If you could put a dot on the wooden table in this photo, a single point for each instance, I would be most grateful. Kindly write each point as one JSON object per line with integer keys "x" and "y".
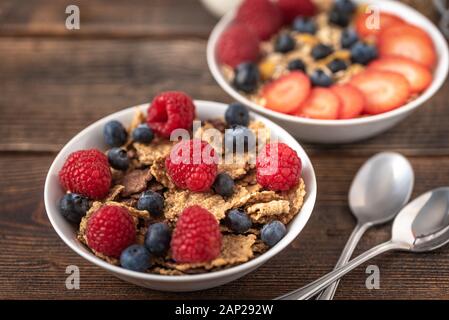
{"x": 54, "y": 82}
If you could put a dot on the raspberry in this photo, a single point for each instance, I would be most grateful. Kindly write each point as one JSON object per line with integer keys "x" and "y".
{"x": 169, "y": 111}
{"x": 197, "y": 236}
{"x": 278, "y": 167}
{"x": 86, "y": 172}
{"x": 110, "y": 230}
{"x": 261, "y": 16}
{"x": 293, "y": 8}
{"x": 192, "y": 165}
{"x": 237, "y": 44}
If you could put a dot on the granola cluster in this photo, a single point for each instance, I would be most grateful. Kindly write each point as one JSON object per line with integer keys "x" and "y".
{"x": 146, "y": 171}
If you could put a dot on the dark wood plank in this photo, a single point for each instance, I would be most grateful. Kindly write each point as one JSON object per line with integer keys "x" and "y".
{"x": 100, "y": 18}
{"x": 34, "y": 258}
{"x": 61, "y": 86}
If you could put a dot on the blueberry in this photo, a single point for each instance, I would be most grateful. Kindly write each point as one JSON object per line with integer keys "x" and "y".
{"x": 73, "y": 207}
{"x": 337, "y": 65}
{"x": 321, "y": 51}
{"x": 321, "y": 79}
{"x": 246, "y": 77}
{"x": 284, "y": 43}
{"x": 118, "y": 158}
{"x": 136, "y": 258}
{"x": 237, "y": 114}
{"x": 224, "y": 185}
{"x": 363, "y": 53}
{"x": 238, "y": 221}
{"x": 346, "y": 6}
{"x": 339, "y": 18}
{"x": 239, "y": 139}
{"x": 273, "y": 232}
{"x": 143, "y": 134}
{"x": 304, "y": 25}
{"x": 157, "y": 238}
{"x": 348, "y": 38}
{"x": 151, "y": 201}
{"x": 296, "y": 64}
{"x": 114, "y": 134}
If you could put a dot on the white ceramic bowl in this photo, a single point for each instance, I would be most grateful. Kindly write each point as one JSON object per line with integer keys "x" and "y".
{"x": 342, "y": 131}
{"x": 92, "y": 137}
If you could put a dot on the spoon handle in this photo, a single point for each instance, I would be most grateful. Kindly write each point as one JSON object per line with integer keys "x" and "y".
{"x": 346, "y": 254}
{"x": 313, "y": 288}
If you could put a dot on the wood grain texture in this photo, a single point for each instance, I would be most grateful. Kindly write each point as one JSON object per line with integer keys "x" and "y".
{"x": 62, "y": 86}
{"x": 34, "y": 258}
{"x": 55, "y": 82}
{"x": 106, "y": 19}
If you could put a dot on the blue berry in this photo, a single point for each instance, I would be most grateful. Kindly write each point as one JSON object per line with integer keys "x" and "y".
{"x": 321, "y": 51}
{"x": 238, "y": 221}
{"x": 304, "y": 25}
{"x": 157, "y": 238}
{"x": 237, "y": 114}
{"x": 363, "y": 53}
{"x": 73, "y": 207}
{"x": 337, "y": 65}
{"x": 115, "y": 134}
{"x": 273, "y": 232}
{"x": 348, "y": 38}
{"x": 246, "y": 77}
{"x": 118, "y": 158}
{"x": 239, "y": 139}
{"x": 284, "y": 43}
{"x": 321, "y": 79}
{"x": 224, "y": 185}
{"x": 151, "y": 201}
{"x": 296, "y": 64}
{"x": 136, "y": 258}
{"x": 339, "y": 18}
{"x": 346, "y": 6}
{"x": 143, "y": 134}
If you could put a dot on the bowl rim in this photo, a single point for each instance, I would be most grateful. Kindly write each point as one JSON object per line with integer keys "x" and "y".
{"x": 397, "y": 8}
{"x": 291, "y": 235}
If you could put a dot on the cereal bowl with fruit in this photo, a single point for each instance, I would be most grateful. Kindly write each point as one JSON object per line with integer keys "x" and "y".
{"x": 180, "y": 195}
{"x": 329, "y": 71}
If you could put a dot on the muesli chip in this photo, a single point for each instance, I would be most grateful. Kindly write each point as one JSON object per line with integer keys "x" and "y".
{"x": 268, "y": 211}
{"x": 135, "y": 181}
{"x": 147, "y": 154}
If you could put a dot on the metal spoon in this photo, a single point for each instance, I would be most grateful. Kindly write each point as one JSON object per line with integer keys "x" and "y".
{"x": 421, "y": 226}
{"x": 382, "y": 187}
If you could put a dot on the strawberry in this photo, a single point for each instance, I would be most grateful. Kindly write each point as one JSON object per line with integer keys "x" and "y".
{"x": 405, "y": 28}
{"x": 383, "y": 90}
{"x": 418, "y": 76}
{"x": 365, "y": 24}
{"x": 262, "y": 16}
{"x": 321, "y": 104}
{"x": 292, "y": 8}
{"x": 408, "y": 44}
{"x": 352, "y": 101}
{"x": 287, "y": 93}
{"x": 237, "y": 44}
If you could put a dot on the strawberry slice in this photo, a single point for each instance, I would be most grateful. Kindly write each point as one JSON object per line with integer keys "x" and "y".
{"x": 405, "y": 28}
{"x": 321, "y": 104}
{"x": 287, "y": 93}
{"x": 352, "y": 101}
{"x": 383, "y": 90}
{"x": 418, "y": 76}
{"x": 365, "y": 24}
{"x": 412, "y": 45}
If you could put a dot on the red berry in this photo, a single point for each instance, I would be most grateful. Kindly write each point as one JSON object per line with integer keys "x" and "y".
{"x": 261, "y": 16}
{"x": 197, "y": 236}
{"x": 110, "y": 230}
{"x": 192, "y": 165}
{"x": 237, "y": 44}
{"x": 86, "y": 172}
{"x": 278, "y": 167}
{"x": 169, "y": 111}
{"x": 292, "y": 8}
